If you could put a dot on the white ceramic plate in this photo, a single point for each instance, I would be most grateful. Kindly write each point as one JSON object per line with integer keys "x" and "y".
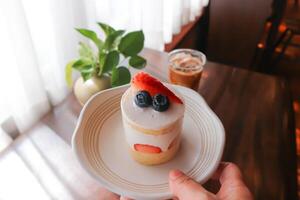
{"x": 100, "y": 146}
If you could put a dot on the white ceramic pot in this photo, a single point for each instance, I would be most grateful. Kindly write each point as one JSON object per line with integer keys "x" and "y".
{"x": 84, "y": 90}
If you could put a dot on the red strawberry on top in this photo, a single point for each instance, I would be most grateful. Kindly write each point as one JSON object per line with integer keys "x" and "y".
{"x": 143, "y": 81}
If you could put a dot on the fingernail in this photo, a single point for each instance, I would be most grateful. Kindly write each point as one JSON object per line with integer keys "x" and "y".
{"x": 174, "y": 174}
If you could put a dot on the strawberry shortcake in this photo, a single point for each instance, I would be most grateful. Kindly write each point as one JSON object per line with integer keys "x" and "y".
{"x": 152, "y": 118}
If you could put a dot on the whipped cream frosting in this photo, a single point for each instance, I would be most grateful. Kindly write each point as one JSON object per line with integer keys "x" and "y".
{"x": 148, "y": 118}
{"x": 162, "y": 141}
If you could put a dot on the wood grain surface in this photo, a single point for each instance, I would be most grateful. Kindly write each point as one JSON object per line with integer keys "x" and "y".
{"x": 256, "y": 112}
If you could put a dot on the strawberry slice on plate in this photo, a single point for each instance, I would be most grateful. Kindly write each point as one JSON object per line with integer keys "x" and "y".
{"x": 143, "y": 81}
{"x": 144, "y": 148}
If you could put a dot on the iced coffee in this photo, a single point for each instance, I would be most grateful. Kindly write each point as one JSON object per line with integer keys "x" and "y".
{"x": 185, "y": 67}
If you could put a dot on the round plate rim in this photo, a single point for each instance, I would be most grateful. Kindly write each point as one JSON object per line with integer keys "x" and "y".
{"x": 164, "y": 195}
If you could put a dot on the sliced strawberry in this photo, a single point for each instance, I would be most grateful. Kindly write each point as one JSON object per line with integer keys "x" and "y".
{"x": 144, "y": 148}
{"x": 143, "y": 81}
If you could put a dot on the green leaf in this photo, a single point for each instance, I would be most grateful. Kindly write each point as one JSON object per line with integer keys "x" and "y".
{"x": 120, "y": 76}
{"x": 106, "y": 28}
{"x": 113, "y": 40}
{"x": 68, "y": 73}
{"x": 86, "y": 52}
{"x": 87, "y": 69}
{"x": 91, "y": 35}
{"x": 85, "y": 75}
{"x": 137, "y": 62}
{"x": 81, "y": 63}
{"x": 111, "y": 61}
{"x": 132, "y": 43}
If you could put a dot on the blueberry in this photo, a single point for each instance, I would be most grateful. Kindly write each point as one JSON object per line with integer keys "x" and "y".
{"x": 160, "y": 103}
{"x": 143, "y": 99}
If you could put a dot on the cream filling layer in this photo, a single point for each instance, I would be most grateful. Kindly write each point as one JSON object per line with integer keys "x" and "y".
{"x": 162, "y": 141}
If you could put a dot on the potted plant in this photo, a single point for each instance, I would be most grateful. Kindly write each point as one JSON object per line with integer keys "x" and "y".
{"x": 104, "y": 67}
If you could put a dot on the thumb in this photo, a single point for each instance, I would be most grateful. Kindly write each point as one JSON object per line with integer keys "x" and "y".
{"x": 125, "y": 198}
{"x": 183, "y": 187}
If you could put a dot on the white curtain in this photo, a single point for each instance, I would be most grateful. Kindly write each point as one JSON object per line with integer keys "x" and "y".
{"x": 159, "y": 19}
{"x": 37, "y": 39}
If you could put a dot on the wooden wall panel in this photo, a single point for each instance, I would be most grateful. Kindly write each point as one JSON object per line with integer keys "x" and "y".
{"x": 235, "y": 27}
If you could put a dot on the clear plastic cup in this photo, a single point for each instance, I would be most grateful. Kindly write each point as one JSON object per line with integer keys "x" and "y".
{"x": 186, "y": 67}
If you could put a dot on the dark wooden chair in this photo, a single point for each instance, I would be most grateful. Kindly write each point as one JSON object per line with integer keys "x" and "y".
{"x": 294, "y": 26}
{"x": 269, "y": 52}
{"x": 265, "y": 56}
{"x": 275, "y": 52}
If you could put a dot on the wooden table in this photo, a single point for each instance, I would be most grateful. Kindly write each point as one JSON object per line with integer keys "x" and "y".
{"x": 257, "y": 114}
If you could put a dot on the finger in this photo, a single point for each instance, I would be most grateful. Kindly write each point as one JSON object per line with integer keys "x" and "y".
{"x": 232, "y": 184}
{"x": 218, "y": 172}
{"x": 183, "y": 187}
{"x": 105, "y": 194}
{"x": 228, "y": 172}
{"x": 125, "y": 198}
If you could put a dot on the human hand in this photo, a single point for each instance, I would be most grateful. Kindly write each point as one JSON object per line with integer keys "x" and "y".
{"x": 107, "y": 195}
{"x": 185, "y": 188}
{"x": 229, "y": 176}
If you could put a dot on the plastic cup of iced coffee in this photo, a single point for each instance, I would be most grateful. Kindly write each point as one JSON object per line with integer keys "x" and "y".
{"x": 186, "y": 67}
